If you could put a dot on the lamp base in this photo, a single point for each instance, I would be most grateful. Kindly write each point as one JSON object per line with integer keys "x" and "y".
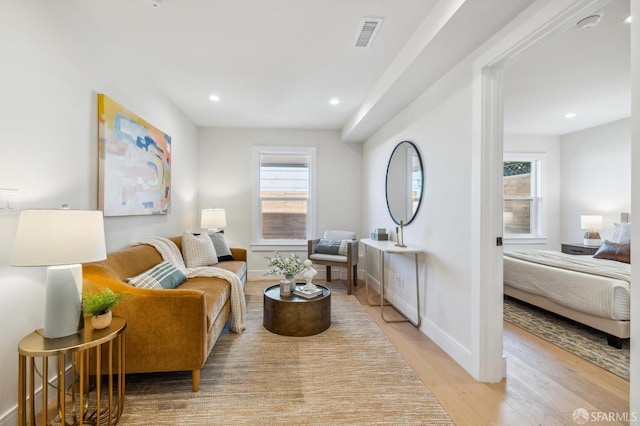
{"x": 63, "y": 301}
{"x": 592, "y": 242}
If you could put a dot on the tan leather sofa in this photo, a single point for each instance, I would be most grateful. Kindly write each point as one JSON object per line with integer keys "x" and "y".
{"x": 167, "y": 330}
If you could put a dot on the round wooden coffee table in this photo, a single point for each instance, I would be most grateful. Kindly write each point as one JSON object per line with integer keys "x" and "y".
{"x": 296, "y": 315}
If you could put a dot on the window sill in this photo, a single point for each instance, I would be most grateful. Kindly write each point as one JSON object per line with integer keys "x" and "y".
{"x": 297, "y": 247}
{"x": 524, "y": 240}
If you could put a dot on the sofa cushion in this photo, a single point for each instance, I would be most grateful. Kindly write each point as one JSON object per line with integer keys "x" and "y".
{"x": 222, "y": 248}
{"x": 217, "y": 293}
{"x": 198, "y": 250}
{"x": 237, "y": 267}
{"x": 163, "y": 275}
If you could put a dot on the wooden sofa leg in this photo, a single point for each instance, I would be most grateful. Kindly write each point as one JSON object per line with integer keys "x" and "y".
{"x": 328, "y": 273}
{"x": 195, "y": 379}
{"x": 348, "y": 280}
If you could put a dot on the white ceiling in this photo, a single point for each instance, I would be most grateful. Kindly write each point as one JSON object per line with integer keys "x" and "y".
{"x": 584, "y": 71}
{"x": 277, "y": 63}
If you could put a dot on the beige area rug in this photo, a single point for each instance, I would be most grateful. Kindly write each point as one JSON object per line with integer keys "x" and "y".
{"x": 571, "y": 336}
{"x": 349, "y": 374}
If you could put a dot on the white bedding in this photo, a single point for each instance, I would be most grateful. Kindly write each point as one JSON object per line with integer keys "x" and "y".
{"x": 604, "y": 296}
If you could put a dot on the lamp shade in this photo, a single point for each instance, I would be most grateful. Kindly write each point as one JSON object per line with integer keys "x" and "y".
{"x": 59, "y": 237}
{"x": 590, "y": 222}
{"x": 213, "y": 219}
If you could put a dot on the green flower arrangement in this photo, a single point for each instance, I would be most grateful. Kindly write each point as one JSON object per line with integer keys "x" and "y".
{"x": 288, "y": 266}
{"x": 100, "y": 303}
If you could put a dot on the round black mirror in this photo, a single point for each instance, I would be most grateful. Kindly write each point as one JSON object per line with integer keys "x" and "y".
{"x": 405, "y": 178}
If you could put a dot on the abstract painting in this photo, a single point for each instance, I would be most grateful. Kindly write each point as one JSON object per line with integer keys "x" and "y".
{"x": 134, "y": 164}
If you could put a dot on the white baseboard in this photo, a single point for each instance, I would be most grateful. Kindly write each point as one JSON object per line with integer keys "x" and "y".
{"x": 10, "y": 418}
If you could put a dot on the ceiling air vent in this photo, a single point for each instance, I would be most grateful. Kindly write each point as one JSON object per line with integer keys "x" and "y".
{"x": 367, "y": 31}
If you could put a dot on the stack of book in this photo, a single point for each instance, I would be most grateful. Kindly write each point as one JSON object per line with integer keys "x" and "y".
{"x": 300, "y": 291}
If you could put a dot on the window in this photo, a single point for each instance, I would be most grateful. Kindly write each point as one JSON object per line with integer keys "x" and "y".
{"x": 284, "y": 201}
{"x": 522, "y": 193}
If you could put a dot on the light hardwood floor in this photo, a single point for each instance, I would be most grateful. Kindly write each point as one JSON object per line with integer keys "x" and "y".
{"x": 544, "y": 383}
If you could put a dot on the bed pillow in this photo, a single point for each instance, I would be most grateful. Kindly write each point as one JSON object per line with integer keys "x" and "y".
{"x": 198, "y": 250}
{"x": 622, "y": 233}
{"x": 221, "y": 246}
{"x": 614, "y": 251}
{"x": 163, "y": 275}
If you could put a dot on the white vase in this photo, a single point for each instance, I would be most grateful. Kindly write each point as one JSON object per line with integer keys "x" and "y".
{"x": 101, "y": 321}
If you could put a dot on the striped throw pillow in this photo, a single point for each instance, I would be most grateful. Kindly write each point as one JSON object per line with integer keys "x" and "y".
{"x": 335, "y": 247}
{"x": 163, "y": 275}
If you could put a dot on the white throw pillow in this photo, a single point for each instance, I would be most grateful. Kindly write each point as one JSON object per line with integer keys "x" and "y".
{"x": 622, "y": 233}
{"x": 198, "y": 250}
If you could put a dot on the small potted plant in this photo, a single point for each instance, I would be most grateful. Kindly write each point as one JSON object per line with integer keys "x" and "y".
{"x": 99, "y": 305}
{"x": 287, "y": 266}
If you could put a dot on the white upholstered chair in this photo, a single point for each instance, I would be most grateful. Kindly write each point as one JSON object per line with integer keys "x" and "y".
{"x": 339, "y": 249}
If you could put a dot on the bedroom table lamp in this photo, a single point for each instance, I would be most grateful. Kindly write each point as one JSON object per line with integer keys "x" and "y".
{"x": 61, "y": 239}
{"x": 591, "y": 224}
{"x": 213, "y": 219}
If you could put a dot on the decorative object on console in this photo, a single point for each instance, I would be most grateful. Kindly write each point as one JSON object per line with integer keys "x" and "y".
{"x": 134, "y": 163}
{"x": 99, "y": 305}
{"x": 60, "y": 239}
{"x": 380, "y": 234}
{"x": 591, "y": 224}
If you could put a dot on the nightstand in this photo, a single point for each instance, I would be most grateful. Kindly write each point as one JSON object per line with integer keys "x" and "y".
{"x": 579, "y": 249}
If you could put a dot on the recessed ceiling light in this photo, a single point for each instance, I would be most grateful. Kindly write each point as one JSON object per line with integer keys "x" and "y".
{"x": 334, "y": 101}
{"x": 570, "y": 115}
{"x": 214, "y": 98}
{"x": 627, "y": 20}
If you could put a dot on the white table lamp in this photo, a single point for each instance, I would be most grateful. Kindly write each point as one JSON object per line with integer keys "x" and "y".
{"x": 214, "y": 219}
{"x": 590, "y": 224}
{"x": 60, "y": 239}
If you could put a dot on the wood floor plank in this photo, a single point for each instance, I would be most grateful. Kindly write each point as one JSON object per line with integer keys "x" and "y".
{"x": 544, "y": 383}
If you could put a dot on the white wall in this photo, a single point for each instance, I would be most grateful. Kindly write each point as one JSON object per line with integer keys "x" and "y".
{"x": 439, "y": 123}
{"x": 53, "y": 65}
{"x": 550, "y": 146}
{"x": 225, "y": 180}
{"x": 596, "y": 177}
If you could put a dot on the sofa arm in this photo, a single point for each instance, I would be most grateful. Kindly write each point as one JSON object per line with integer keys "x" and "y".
{"x": 166, "y": 329}
{"x": 239, "y": 253}
{"x": 311, "y": 246}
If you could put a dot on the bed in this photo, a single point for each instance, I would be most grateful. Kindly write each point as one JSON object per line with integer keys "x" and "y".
{"x": 590, "y": 290}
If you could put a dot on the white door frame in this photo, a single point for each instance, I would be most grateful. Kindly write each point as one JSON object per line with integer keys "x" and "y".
{"x": 549, "y": 19}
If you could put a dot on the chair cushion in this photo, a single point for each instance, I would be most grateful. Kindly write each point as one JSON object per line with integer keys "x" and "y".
{"x": 339, "y": 235}
{"x": 328, "y": 257}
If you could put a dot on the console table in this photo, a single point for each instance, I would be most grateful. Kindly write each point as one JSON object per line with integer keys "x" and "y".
{"x": 79, "y": 346}
{"x": 389, "y": 247}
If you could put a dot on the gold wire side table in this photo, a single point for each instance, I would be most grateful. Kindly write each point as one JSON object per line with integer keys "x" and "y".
{"x": 87, "y": 399}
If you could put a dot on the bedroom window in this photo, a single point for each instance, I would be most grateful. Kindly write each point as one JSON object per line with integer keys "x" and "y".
{"x": 522, "y": 193}
{"x": 284, "y": 199}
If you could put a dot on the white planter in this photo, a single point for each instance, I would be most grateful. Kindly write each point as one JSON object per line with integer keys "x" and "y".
{"x": 101, "y": 321}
